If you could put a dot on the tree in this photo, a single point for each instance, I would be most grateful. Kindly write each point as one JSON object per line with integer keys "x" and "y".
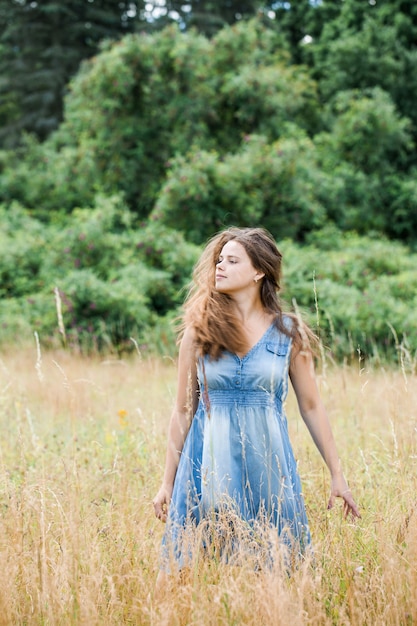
{"x": 148, "y": 98}
{"x": 294, "y": 21}
{"x": 208, "y": 17}
{"x": 364, "y": 154}
{"x": 368, "y": 45}
{"x": 270, "y": 184}
{"x": 42, "y": 45}
{"x": 173, "y": 119}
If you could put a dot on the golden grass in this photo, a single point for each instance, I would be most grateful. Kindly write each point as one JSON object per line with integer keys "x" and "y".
{"x": 81, "y": 456}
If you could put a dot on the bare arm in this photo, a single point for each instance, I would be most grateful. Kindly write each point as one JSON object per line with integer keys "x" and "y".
{"x": 184, "y": 409}
{"x": 315, "y": 417}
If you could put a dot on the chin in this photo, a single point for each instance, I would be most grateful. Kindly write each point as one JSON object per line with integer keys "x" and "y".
{"x": 220, "y": 288}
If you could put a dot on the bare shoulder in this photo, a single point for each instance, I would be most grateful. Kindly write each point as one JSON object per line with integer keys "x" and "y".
{"x": 301, "y": 360}
{"x": 188, "y": 337}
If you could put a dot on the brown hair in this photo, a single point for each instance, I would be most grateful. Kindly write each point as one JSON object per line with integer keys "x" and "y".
{"x": 212, "y": 314}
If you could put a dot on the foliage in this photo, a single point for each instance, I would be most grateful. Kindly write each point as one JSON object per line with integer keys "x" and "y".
{"x": 141, "y": 115}
{"x": 21, "y": 240}
{"x": 144, "y": 100}
{"x": 402, "y": 201}
{"x": 118, "y": 280}
{"x": 205, "y": 15}
{"x": 43, "y": 44}
{"x": 264, "y": 183}
{"x": 48, "y": 181}
{"x": 367, "y": 130}
{"x": 360, "y": 293}
{"x": 359, "y": 45}
{"x": 364, "y": 150}
{"x": 169, "y": 136}
{"x": 295, "y": 21}
{"x": 114, "y": 281}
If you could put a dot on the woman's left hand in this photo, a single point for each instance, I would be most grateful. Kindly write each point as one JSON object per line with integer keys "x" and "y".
{"x": 340, "y": 489}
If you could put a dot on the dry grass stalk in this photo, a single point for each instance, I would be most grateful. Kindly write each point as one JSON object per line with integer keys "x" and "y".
{"x": 81, "y": 457}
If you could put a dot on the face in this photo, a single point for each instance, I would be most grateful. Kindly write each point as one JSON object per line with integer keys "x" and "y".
{"x": 234, "y": 270}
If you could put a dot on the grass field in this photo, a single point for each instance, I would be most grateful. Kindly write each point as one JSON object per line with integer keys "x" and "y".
{"x": 82, "y": 449}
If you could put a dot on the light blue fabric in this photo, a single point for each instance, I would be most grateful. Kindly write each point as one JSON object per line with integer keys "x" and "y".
{"x": 237, "y": 455}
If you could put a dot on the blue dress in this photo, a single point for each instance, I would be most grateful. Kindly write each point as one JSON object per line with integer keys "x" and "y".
{"x": 237, "y": 456}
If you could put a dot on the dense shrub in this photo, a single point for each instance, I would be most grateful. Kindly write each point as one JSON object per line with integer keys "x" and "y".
{"x": 272, "y": 184}
{"x": 114, "y": 281}
{"x": 146, "y": 99}
{"x": 104, "y": 313}
{"x": 204, "y": 132}
{"x": 362, "y": 295}
{"x": 21, "y": 239}
{"x": 117, "y": 282}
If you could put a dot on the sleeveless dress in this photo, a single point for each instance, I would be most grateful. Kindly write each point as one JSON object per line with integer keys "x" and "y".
{"x": 237, "y": 457}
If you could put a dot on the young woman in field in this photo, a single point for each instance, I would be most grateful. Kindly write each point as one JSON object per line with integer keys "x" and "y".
{"x": 229, "y": 462}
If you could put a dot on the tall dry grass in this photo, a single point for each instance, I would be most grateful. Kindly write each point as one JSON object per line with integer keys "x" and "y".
{"x": 81, "y": 453}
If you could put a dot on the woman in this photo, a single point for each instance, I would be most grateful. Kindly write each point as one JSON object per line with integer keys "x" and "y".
{"x": 228, "y": 455}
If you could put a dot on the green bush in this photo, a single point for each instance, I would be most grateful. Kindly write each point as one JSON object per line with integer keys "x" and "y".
{"x": 146, "y": 99}
{"x": 164, "y": 248}
{"x": 272, "y": 184}
{"x": 16, "y": 322}
{"x": 49, "y": 178}
{"x": 360, "y": 295}
{"x": 102, "y": 315}
{"x": 115, "y": 281}
{"x": 21, "y": 239}
{"x": 99, "y": 237}
{"x": 364, "y": 153}
{"x": 118, "y": 282}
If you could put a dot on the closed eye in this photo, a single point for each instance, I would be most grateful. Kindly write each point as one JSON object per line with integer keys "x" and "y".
{"x": 229, "y": 259}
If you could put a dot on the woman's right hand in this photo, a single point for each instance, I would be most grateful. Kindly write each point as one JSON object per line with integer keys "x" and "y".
{"x": 161, "y": 503}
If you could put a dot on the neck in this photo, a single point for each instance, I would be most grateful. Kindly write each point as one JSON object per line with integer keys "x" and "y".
{"x": 249, "y": 309}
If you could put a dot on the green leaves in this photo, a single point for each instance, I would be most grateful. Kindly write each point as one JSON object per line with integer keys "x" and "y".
{"x": 117, "y": 280}
{"x": 169, "y": 137}
{"x": 262, "y": 183}
{"x": 201, "y": 133}
{"x": 367, "y": 130}
{"x": 114, "y": 281}
{"x": 361, "y": 294}
{"x": 43, "y": 45}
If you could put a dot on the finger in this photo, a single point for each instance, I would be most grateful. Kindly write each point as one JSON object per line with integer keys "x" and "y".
{"x": 160, "y": 510}
{"x": 350, "y": 506}
{"x": 355, "y": 511}
{"x": 161, "y": 515}
{"x": 157, "y": 508}
{"x": 330, "y": 503}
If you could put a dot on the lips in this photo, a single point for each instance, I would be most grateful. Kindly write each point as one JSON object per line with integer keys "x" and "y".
{"x": 219, "y": 276}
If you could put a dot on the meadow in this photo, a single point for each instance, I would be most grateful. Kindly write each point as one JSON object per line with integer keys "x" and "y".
{"x": 82, "y": 450}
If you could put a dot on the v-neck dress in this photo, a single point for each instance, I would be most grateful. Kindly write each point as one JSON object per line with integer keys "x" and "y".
{"x": 237, "y": 456}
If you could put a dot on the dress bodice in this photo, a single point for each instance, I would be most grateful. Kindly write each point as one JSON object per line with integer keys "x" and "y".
{"x": 260, "y": 377}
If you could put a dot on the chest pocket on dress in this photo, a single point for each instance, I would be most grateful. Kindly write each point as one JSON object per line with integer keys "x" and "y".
{"x": 280, "y": 349}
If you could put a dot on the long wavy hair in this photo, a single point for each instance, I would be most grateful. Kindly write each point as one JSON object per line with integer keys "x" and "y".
{"x": 213, "y": 315}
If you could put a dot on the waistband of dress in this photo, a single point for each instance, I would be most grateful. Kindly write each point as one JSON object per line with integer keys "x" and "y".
{"x": 241, "y": 397}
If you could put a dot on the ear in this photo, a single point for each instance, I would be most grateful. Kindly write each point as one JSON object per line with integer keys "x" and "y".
{"x": 258, "y": 276}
